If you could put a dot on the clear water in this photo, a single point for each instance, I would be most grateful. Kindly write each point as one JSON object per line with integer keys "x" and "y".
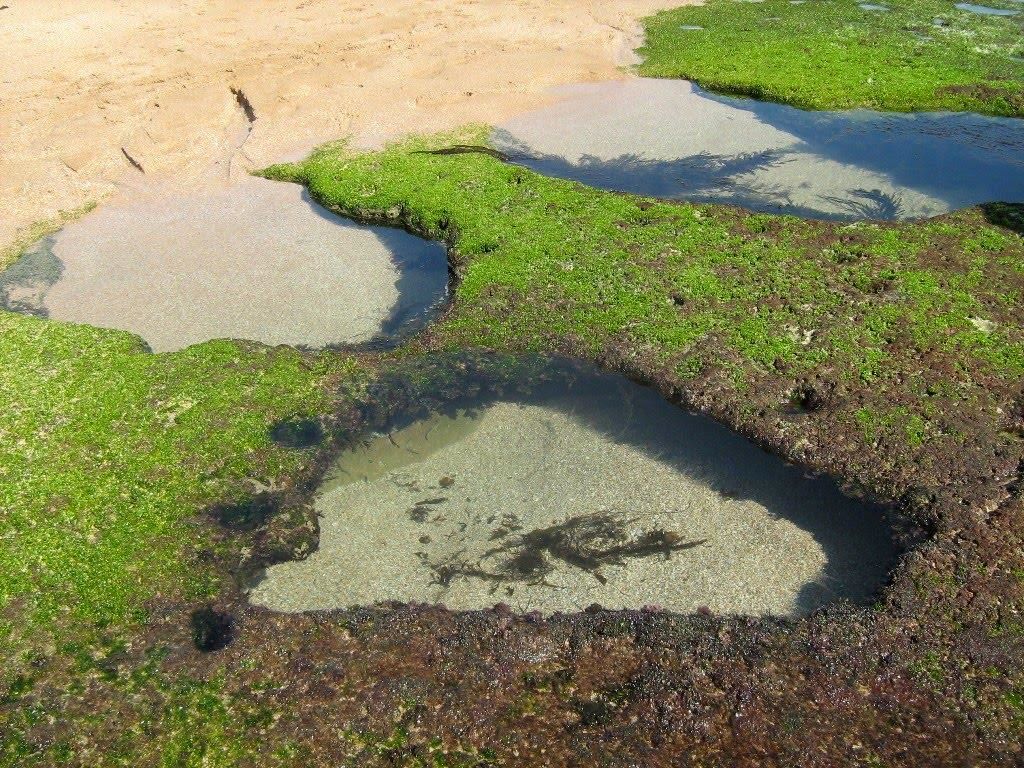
{"x": 670, "y": 138}
{"x": 257, "y": 261}
{"x": 986, "y": 10}
{"x": 584, "y": 489}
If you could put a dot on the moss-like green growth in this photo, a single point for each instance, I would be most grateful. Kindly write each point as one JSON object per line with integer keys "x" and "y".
{"x": 106, "y": 451}
{"x": 699, "y": 286}
{"x": 833, "y": 54}
{"x": 107, "y": 455}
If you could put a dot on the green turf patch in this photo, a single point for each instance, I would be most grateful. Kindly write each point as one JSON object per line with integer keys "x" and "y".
{"x": 832, "y": 54}
{"x": 106, "y": 451}
{"x": 700, "y": 285}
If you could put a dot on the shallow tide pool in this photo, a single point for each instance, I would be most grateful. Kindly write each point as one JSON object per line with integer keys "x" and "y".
{"x": 257, "y": 260}
{"x": 589, "y": 489}
{"x": 986, "y": 10}
{"x": 670, "y": 138}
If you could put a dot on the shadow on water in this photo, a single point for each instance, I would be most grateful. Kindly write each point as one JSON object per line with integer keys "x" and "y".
{"x": 850, "y": 532}
{"x": 24, "y": 284}
{"x": 959, "y": 158}
{"x": 860, "y": 540}
{"x": 705, "y": 178}
{"x": 422, "y": 284}
{"x": 953, "y": 159}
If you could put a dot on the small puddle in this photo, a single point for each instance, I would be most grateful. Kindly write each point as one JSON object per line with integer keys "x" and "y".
{"x": 258, "y": 260}
{"x": 985, "y": 10}
{"x": 587, "y": 489}
{"x": 670, "y": 138}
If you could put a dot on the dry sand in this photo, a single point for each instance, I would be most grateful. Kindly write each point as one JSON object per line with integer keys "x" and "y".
{"x": 510, "y": 505}
{"x": 85, "y": 82}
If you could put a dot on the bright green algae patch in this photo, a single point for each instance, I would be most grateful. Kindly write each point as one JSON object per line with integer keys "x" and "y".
{"x": 832, "y": 54}
{"x": 106, "y": 451}
{"x": 696, "y": 285}
{"x": 109, "y": 452}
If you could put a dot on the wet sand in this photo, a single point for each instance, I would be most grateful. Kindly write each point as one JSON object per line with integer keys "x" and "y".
{"x": 256, "y": 261}
{"x": 602, "y": 494}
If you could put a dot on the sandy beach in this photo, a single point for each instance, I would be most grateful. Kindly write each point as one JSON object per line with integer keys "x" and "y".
{"x": 112, "y": 94}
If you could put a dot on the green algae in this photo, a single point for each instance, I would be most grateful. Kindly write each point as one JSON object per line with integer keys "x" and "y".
{"x": 541, "y": 259}
{"x": 831, "y": 54}
{"x": 106, "y": 454}
{"x": 107, "y": 451}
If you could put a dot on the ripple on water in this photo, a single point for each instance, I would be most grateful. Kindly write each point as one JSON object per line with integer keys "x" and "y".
{"x": 590, "y": 489}
{"x": 257, "y": 261}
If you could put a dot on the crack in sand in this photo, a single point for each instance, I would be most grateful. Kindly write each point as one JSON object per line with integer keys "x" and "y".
{"x": 135, "y": 163}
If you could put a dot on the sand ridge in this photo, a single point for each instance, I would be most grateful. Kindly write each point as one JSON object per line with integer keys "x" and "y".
{"x": 93, "y": 94}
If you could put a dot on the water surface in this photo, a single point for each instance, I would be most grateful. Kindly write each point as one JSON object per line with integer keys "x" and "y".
{"x": 986, "y": 10}
{"x": 257, "y": 260}
{"x": 589, "y": 489}
{"x": 669, "y": 138}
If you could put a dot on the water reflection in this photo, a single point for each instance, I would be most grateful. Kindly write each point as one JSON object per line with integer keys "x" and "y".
{"x": 669, "y": 138}
{"x": 581, "y": 488}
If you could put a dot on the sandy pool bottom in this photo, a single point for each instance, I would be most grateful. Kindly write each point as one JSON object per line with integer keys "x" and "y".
{"x": 603, "y": 494}
{"x": 257, "y": 260}
{"x": 670, "y": 138}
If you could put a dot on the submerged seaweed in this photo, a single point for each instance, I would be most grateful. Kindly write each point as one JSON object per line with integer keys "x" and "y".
{"x": 587, "y": 542}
